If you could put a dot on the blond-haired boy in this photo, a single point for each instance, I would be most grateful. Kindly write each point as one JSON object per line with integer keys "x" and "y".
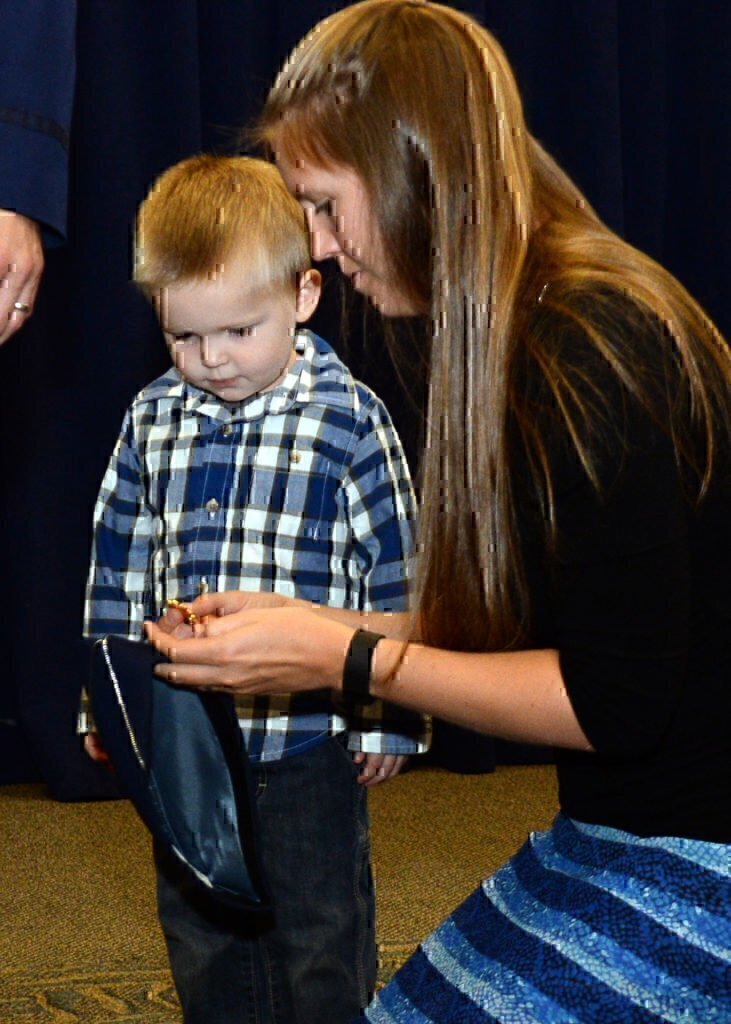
{"x": 258, "y": 463}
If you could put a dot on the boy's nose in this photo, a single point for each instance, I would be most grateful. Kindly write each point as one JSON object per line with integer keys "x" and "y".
{"x": 211, "y": 353}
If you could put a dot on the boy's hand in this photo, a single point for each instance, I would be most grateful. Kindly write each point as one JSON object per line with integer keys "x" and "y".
{"x": 95, "y": 750}
{"x": 377, "y": 768}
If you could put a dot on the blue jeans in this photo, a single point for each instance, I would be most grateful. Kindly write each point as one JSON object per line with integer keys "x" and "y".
{"x": 313, "y": 960}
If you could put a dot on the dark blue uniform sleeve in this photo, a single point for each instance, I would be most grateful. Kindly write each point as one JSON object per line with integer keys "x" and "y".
{"x": 36, "y": 93}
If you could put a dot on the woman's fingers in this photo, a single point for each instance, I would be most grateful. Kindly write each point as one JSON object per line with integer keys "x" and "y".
{"x": 171, "y": 619}
{"x": 202, "y": 677}
{"x": 271, "y": 650}
{"x": 227, "y": 603}
{"x": 167, "y": 631}
{"x": 205, "y": 663}
{"x": 231, "y": 601}
{"x": 190, "y": 648}
{"x": 210, "y": 626}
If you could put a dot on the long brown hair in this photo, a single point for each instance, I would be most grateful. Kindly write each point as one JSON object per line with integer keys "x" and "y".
{"x": 476, "y": 217}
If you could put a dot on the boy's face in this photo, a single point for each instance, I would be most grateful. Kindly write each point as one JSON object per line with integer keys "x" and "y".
{"x": 232, "y": 341}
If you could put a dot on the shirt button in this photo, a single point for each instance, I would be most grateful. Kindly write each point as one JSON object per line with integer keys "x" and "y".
{"x": 294, "y": 456}
{"x": 227, "y": 430}
{"x": 212, "y": 506}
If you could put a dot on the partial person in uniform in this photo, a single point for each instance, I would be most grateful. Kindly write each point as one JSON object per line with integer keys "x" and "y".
{"x": 35, "y": 116}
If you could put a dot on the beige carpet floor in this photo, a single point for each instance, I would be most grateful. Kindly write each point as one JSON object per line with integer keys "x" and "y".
{"x": 79, "y": 942}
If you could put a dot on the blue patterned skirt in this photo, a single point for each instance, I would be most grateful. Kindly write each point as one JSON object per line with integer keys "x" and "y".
{"x": 584, "y": 924}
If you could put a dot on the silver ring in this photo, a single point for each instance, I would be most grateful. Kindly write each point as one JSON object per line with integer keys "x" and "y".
{"x": 22, "y": 307}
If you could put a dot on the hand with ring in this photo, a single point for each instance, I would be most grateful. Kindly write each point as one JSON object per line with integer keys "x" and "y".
{"x": 21, "y": 265}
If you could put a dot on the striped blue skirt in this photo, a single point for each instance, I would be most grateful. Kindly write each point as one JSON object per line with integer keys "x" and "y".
{"x": 584, "y": 924}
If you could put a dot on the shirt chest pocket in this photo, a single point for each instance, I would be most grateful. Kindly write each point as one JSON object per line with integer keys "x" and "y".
{"x": 296, "y": 486}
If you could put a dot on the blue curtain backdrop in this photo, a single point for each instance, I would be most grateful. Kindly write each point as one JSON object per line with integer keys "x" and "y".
{"x": 632, "y": 96}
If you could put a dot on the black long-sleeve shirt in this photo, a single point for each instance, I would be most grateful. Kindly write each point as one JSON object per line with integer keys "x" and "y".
{"x": 638, "y": 603}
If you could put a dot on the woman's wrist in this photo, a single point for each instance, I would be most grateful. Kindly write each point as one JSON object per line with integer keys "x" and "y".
{"x": 388, "y": 655}
{"x": 356, "y": 681}
{"x": 396, "y": 625}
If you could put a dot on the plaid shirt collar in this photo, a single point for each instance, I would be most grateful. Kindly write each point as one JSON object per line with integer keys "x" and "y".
{"x": 314, "y": 378}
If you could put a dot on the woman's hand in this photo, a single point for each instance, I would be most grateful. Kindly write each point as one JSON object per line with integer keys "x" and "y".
{"x": 515, "y": 695}
{"x": 174, "y": 621}
{"x": 280, "y": 648}
{"x": 254, "y": 643}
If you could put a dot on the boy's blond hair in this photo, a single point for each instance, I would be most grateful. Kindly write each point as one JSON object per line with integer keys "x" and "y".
{"x": 209, "y": 212}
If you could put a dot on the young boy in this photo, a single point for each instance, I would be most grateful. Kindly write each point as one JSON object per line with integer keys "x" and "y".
{"x": 259, "y": 463}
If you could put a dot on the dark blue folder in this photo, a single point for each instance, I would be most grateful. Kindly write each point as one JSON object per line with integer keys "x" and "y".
{"x": 180, "y": 758}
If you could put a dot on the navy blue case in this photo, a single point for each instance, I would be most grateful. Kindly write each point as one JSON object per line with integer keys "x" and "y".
{"x": 180, "y": 758}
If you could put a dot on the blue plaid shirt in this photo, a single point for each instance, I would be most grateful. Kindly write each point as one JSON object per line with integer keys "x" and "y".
{"x": 303, "y": 490}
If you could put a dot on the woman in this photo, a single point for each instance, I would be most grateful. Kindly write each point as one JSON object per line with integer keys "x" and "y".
{"x": 572, "y": 581}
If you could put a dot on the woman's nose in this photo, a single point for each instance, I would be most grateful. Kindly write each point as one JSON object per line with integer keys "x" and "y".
{"x": 324, "y": 244}
{"x": 212, "y": 354}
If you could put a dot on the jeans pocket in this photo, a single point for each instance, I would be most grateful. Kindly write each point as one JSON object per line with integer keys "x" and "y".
{"x": 340, "y": 744}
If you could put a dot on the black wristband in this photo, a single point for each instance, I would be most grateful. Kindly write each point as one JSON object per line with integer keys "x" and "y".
{"x": 357, "y": 668}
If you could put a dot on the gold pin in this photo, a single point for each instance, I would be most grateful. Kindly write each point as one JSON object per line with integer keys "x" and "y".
{"x": 190, "y": 617}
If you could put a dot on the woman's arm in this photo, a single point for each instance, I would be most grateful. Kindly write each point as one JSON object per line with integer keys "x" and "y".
{"x": 291, "y": 648}
{"x": 396, "y": 625}
{"x": 518, "y": 695}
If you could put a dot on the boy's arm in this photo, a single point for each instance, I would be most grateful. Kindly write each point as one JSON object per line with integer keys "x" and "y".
{"x": 118, "y": 590}
{"x": 382, "y": 511}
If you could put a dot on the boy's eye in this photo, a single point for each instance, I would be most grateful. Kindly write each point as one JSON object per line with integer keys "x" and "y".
{"x": 241, "y": 332}
{"x": 182, "y": 338}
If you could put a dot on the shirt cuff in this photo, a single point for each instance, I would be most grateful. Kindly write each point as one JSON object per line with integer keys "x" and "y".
{"x": 376, "y": 742}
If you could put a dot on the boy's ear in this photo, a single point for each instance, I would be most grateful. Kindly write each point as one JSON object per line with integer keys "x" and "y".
{"x": 309, "y": 286}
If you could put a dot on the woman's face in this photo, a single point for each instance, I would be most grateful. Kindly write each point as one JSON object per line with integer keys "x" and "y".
{"x": 343, "y": 227}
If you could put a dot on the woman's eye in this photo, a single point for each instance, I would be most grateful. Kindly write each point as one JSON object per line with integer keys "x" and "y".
{"x": 327, "y": 206}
